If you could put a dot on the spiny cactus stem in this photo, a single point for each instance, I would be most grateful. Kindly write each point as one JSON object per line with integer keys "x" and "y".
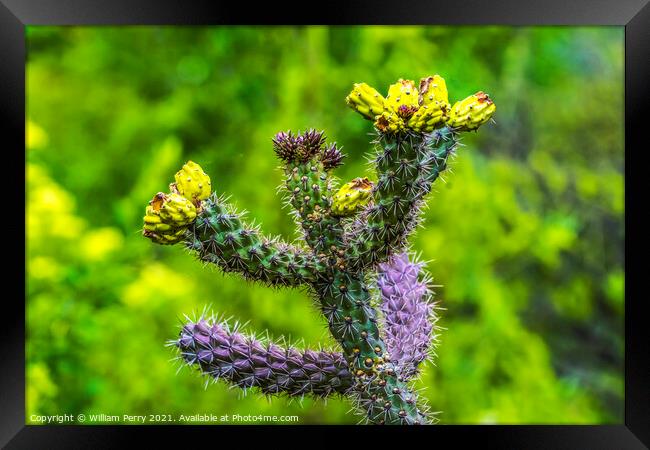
{"x": 221, "y": 237}
{"x": 441, "y": 144}
{"x": 408, "y": 316}
{"x": 406, "y": 166}
{"x": 309, "y": 188}
{"x": 222, "y": 352}
{"x": 346, "y": 303}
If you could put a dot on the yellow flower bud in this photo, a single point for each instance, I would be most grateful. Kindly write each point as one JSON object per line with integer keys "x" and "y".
{"x": 167, "y": 217}
{"x": 471, "y": 113}
{"x": 192, "y": 182}
{"x": 352, "y": 197}
{"x": 434, "y": 105}
{"x": 177, "y": 210}
{"x": 402, "y": 96}
{"x": 366, "y": 101}
{"x": 390, "y": 122}
{"x": 426, "y": 119}
{"x": 422, "y": 109}
{"x": 433, "y": 90}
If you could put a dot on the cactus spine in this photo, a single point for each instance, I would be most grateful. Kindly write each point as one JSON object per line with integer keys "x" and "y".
{"x": 355, "y": 240}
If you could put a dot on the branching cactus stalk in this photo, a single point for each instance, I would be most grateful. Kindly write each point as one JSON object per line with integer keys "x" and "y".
{"x": 377, "y": 302}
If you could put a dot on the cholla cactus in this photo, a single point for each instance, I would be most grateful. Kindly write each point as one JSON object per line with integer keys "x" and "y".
{"x": 355, "y": 238}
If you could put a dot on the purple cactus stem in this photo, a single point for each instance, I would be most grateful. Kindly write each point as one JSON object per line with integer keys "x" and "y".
{"x": 246, "y": 362}
{"x": 409, "y": 320}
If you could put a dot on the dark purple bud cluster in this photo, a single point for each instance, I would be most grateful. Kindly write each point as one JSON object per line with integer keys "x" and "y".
{"x": 332, "y": 157}
{"x": 302, "y": 147}
{"x": 311, "y": 139}
{"x": 284, "y": 144}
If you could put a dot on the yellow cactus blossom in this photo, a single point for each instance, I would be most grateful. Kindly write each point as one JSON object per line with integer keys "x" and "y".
{"x": 405, "y": 107}
{"x": 402, "y": 94}
{"x": 366, "y": 101}
{"x": 167, "y": 217}
{"x": 472, "y": 112}
{"x": 192, "y": 182}
{"x": 434, "y": 104}
{"x": 352, "y": 197}
{"x": 433, "y": 90}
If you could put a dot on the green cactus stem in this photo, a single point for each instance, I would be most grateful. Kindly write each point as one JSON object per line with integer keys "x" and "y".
{"x": 219, "y": 236}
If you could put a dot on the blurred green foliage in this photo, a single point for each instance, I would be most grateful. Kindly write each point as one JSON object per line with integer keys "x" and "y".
{"x": 525, "y": 234}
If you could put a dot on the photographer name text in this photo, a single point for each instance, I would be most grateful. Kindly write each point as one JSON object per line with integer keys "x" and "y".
{"x": 159, "y": 418}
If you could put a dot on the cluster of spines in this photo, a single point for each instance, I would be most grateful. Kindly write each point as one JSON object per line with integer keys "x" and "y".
{"x": 222, "y": 352}
{"x": 302, "y": 147}
{"x": 219, "y": 236}
{"x": 392, "y": 404}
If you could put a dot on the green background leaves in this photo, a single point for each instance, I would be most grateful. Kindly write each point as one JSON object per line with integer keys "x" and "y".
{"x": 525, "y": 235}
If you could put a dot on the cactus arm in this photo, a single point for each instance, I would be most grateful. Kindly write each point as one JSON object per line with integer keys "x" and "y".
{"x": 417, "y": 132}
{"x": 307, "y": 163}
{"x": 223, "y": 353}
{"x": 219, "y": 236}
{"x": 441, "y": 145}
{"x": 406, "y": 165}
{"x": 309, "y": 192}
{"x": 408, "y": 316}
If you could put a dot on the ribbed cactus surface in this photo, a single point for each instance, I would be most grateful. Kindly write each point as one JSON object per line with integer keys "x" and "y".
{"x": 221, "y": 351}
{"x": 409, "y": 319}
{"x": 246, "y": 362}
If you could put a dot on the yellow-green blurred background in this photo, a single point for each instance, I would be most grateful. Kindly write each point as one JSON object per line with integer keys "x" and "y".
{"x": 526, "y": 234}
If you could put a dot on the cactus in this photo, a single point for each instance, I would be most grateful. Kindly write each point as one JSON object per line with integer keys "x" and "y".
{"x": 356, "y": 239}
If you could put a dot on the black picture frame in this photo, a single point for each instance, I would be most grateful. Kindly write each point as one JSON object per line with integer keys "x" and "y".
{"x": 634, "y": 15}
